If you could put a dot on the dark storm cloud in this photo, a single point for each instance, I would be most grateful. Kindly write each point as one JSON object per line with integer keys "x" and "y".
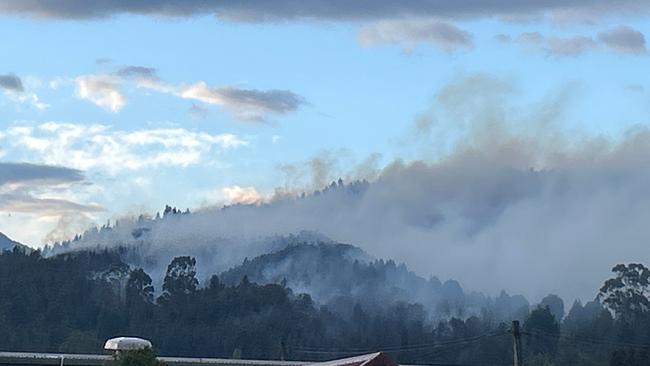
{"x": 11, "y": 82}
{"x": 330, "y": 10}
{"x": 37, "y": 174}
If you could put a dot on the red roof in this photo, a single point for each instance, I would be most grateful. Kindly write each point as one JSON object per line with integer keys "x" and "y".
{"x": 372, "y": 359}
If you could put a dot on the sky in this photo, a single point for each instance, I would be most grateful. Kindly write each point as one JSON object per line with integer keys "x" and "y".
{"x": 114, "y": 108}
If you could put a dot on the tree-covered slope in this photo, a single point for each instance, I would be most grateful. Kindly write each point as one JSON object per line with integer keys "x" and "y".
{"x": 7, "y": 243}
{"x": 340, "y": 275}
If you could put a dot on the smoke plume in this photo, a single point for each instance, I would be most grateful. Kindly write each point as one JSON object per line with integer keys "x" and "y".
{"x": 514, "y": 203}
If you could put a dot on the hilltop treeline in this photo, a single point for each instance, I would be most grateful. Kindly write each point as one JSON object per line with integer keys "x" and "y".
{"x": 74, "y": 302}
{"x": 341, "y": 276}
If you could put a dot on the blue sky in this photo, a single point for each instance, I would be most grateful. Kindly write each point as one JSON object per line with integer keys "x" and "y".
{"x": 229, "y": 106}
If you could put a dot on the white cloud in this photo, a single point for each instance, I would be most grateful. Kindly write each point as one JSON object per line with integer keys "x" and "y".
{"x": 26, "y": 98}
{"x": 17, "y": 91}
{"x": 2, "y": 151}
{"x": 97, "y": 146}
{"x": 623, "y": 39}
{"x": 243, "y": 104}
{"x": 59, "y": 82}
{"x": 245, "y": 195}
{"x": 101, "y": 90}
{"x": 41, "y": 204}
{"x": 569, "y": 46}
{"x": 558, "y": 46}
{"x": 233, "y": 195}
{"x": 408, "y": 33}
{"x": 143, "y": 182}
{"x": 39, "y": 193}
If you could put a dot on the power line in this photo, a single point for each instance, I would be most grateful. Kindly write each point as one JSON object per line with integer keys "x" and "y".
{"x": 403, "y": 348}
{"x": 579, "y": 339}
{"x": 414, "y": 347}
{"x": 446, "y": 348}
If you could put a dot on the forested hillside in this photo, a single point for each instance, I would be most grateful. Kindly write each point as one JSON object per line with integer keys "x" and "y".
{"x": 6, "y": 243}
{"x": 340, "y": 276}
{"x": 73, "y": 302}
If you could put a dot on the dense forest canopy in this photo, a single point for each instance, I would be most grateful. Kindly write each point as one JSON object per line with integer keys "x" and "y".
{"x": 74, "y": 302}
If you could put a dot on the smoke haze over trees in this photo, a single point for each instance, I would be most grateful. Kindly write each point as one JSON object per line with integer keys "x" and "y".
{"x": 502, "y": 197}
{"x": 73, "y": 302}
{"x": 501, "y": 210}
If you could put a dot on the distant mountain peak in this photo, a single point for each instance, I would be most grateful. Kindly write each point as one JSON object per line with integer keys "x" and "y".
{"x": 6, "y": 243}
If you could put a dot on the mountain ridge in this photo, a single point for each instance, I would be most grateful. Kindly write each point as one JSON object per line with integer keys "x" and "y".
{"x": 6, "y": 243}
{"x": 340, "y": 276}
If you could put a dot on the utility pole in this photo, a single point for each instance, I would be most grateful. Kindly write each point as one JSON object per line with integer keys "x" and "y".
{"x": 516, "y": 337}
{"x": 283, "y": 350}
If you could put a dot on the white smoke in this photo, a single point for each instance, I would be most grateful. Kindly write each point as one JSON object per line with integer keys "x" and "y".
{"x": 516, "y": 203}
